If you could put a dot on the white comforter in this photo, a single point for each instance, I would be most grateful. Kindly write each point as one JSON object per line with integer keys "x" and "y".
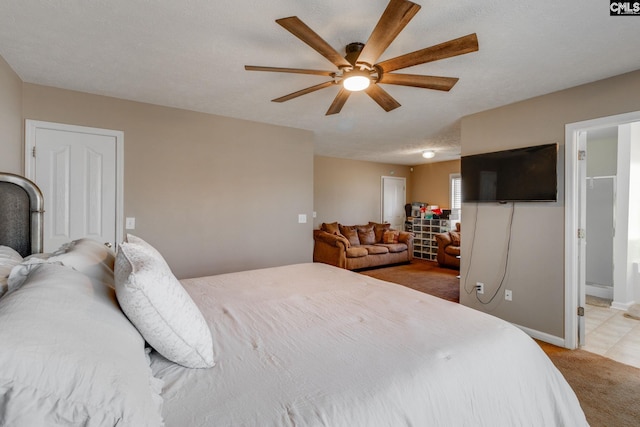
{"x": 314, "y": 345}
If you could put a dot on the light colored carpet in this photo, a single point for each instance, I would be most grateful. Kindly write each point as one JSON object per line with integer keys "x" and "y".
{"x": 608, "y": 391}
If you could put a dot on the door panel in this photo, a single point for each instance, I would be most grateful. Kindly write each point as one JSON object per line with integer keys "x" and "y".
{"x": 56, "y": 166}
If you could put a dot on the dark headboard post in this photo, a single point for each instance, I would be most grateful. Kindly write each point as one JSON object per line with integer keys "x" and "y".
{"x": 33, "y": 235}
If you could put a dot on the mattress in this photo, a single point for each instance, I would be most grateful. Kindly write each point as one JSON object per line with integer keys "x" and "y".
{"x": 314, "y": 345}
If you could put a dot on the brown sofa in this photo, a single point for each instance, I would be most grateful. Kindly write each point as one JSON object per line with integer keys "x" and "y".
{"x": 361, "y": 246}
{"x": 449, "y": 248}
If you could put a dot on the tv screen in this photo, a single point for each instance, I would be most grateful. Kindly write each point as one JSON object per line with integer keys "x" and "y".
{"x": 519, "y": 175}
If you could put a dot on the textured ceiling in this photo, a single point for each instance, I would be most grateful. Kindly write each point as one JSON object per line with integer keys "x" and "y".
{"x": 190, "y": 54}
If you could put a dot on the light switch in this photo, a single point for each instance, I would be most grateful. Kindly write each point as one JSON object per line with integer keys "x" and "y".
{"x": 302, "y": 218}
{"x": 130, "y": 223}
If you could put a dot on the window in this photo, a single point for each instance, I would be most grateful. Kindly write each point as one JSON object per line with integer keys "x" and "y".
{"x": 455, "y": 194}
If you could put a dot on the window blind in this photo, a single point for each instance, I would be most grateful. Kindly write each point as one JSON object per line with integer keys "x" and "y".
{"x": 456, "y": 191}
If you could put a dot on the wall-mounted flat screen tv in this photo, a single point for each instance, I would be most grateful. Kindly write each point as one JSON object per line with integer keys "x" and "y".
{"x": 519, "y": 175}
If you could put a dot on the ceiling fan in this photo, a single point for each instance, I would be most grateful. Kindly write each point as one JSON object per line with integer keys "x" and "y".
{"x": 358, "y": 70}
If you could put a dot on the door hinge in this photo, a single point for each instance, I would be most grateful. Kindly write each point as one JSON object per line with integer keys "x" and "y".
{"x": 33, "y": 151}
{"x": 582, "y": 155}
{"x": 580, "y": 311}
{"x": 581, "y": 233}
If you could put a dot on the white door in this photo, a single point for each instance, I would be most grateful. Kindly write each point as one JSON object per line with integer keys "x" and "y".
{"x": 78, "y": 170}
{"x": 393, "y": 200}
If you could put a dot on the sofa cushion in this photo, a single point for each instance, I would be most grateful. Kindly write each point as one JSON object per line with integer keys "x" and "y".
{"x": 331, "y": 228}
{"x": 452, "y": 250}
{"x": 351, "y": 233}
{"x": 394, "y": 247}
{"x": 376, "y": 249}
{"x": 356, "y": 252}
{"x": 379, "y": 229}
{"x": 455, "y": 238}
{"x": 366, "y": 235}
{"x": 390, "y": 237}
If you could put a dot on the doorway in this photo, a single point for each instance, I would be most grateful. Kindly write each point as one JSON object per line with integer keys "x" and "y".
{"x": 79, "y": 171}
{"x": 394, "y": 197}
{"x": 625, "y": 248}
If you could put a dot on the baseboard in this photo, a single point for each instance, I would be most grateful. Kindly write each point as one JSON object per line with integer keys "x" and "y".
{"x": 542, "y": 336}
{"x": 599, "y": 291}
{"x": 624, "y": 306}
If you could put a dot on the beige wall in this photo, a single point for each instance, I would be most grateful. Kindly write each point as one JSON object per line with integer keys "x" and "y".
{"x": 430, "y": 182}
{"x": 349, "y": 191}
{"x": 11, "y": 151}
{"x": 213, "y": 194}
{"x": 535, "y": 269}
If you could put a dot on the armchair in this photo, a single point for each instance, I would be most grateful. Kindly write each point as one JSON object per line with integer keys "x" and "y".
{"x": 449, "y": 248}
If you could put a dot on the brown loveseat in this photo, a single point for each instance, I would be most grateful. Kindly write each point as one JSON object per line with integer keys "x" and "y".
{"x": 449, "y": 248}
{"x": 360, "y": 246}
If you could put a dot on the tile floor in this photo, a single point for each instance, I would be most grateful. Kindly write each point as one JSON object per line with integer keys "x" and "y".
{"x": 611, "y": 334}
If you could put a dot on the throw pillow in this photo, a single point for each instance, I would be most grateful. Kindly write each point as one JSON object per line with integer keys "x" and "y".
{"x": 455, "y": 238}
{"x": 366, "y": 235}
{"x": 160, "y": 308}
{"x": 351, "y": 233}
{"x": 331, "y": 228}
{"x": 390, "y": 237}
{"x": 379, "y": 230}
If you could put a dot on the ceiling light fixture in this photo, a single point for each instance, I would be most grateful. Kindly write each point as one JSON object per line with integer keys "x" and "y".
{"x": 428, "y": 154}
{"x": 356, "y": 80}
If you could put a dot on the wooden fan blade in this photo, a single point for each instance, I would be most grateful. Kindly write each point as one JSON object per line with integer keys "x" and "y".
{"x": 415, "y": 80}
{"x": 383, "y": 98}
{"x": 299, "y": 29}
{"x": 444, "y": 50}
{"x": 289, "y": 70}
{"x": 395, "y": 17}
{"x": 303, "y": 92}
{"x": 338, "y": 101}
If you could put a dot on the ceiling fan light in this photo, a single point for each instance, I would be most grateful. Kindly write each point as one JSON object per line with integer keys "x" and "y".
{"x": 356, "y": 80}
{"x": 428, "y": 154}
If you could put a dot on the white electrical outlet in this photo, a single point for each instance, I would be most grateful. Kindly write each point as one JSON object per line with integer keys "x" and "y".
{"x": 302, "y": 218}
{"x": 480, "y": 287}
{"x": 508, "y": 295}
{"x": 130, "y": 223}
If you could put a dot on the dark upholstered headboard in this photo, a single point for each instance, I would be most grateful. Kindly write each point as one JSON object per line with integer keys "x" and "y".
{"x": 21, "y": 212}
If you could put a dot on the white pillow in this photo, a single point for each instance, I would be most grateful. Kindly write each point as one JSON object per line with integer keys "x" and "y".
{"x": 9, "y": 258}
{"x": 143, "y": 244}
{"x": 69, "y": 356}
{"x": 157, "y": 304}
{"x": 87, "y": 256}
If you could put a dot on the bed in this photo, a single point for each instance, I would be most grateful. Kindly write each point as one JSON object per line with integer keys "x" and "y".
{"x": 95, "y": 337}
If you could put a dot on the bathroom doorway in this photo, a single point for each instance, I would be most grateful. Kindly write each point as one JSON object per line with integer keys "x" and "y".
{"x": 622, "y": 189}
